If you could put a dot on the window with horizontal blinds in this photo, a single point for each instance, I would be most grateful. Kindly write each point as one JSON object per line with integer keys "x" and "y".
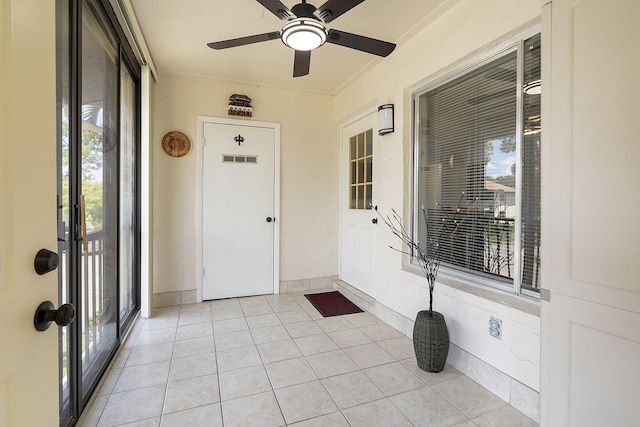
{"x": 470, "y": 159}
{"x": 530, "y": 160}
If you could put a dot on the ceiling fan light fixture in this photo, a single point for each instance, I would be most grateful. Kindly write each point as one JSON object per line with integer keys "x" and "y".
{"x": 304, "y": 34}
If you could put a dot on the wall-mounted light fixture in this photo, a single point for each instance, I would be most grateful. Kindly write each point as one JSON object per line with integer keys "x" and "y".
{"x": 385, "y": 119}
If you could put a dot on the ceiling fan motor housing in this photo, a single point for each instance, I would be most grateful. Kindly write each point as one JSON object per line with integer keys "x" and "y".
{"x": 304, "y": 10}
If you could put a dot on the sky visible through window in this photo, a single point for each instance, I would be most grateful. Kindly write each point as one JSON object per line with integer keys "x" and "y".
{"x": 500, "y": 163}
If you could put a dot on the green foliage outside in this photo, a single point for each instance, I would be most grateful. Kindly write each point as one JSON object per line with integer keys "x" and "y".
{"x": 92, "y": 187}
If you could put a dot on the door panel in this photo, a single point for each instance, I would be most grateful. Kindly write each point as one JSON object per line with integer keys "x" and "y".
{"x": 97, "y": 206}
{"x": 98, "y": 191}
{"x": 591, "y": 325}
{"x": 358, "y": 189}
{"x": 238, "y": 211}
{"x": 28, "y": 359}
{"x": 128, "y": 253}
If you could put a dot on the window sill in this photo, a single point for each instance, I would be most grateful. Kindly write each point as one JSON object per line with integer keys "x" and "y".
{"x": 517, "y": 302}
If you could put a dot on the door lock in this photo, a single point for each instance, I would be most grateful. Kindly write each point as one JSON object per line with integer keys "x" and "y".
{"x": 45, "y": 314}
{"x": 46, "y": 261}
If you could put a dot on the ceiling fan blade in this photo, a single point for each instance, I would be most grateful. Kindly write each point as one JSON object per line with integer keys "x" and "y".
{"x": 362, "y": 43}
{"x": 334, "y": 8}
{"x": 244, "y": 40}
{"x": 278, "y": 9}
{"x": 301, "y": 63}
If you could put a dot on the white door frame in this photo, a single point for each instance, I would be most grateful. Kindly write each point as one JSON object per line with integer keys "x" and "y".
{"x": 201, "y": 121}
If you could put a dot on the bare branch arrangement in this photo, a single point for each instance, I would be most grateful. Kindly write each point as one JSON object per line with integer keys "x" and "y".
{"x": 428, "y": 258}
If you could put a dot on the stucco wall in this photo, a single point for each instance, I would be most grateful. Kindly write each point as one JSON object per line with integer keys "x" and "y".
{"x": 309, "y": 177}
{"x": 468, "y": 27}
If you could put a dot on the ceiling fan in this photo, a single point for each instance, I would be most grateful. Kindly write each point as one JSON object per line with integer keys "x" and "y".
{"x": 306, "y": 30}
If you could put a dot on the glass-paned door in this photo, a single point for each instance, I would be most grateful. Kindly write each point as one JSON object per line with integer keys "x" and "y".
{"x": 98, "y": 134}
{"x": 358, "y": 222}
{"x": 98, "y": 197}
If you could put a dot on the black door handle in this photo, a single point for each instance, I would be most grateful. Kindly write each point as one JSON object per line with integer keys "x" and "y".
{"x": 46, "y": 313}
{"x": 269, "y": 219}
{"x": 374, "y": 221}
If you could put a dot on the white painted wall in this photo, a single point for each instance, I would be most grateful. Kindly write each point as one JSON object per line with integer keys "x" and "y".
{"x": 449, "y": 40}
{"x": 309, "y": 177}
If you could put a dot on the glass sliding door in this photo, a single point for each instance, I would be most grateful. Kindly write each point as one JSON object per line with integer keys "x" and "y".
{"x": 128, "y": 213}
{"x": 98, "y": 197}
{"x": 98, "y": 220}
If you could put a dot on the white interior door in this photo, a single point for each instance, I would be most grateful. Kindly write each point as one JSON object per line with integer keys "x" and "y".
{"x": 240, "y": 221}
{"x": 28, "y": 359}
{"x": 358, "y": 189}
{"x": 591, "y": 325}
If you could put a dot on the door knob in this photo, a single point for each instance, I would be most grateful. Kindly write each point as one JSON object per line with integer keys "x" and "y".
{"x": 46, "y": 261}
{"x": 374, "y": 221}
{"x": 46, "y": 313}
{"x": 269, "y": 219}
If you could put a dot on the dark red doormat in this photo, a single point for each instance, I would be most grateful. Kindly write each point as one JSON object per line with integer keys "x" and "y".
{"x": 332, "y": 304}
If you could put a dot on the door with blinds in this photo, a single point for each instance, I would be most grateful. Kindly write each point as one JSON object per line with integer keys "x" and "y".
{"x": 357, "y": 218}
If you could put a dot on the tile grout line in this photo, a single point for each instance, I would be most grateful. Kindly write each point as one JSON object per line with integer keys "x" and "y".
{"x": 137, "y": 329}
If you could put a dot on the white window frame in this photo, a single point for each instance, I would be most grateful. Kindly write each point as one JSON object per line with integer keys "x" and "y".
{"x": 477, "y": 60}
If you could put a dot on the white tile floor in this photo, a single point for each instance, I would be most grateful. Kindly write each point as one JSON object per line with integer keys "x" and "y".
{"x": 275, "y": 361}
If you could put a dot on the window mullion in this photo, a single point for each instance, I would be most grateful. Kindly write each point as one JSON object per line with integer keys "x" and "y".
{"x": 415, "y": 137}
{"x": 517, "y": 241}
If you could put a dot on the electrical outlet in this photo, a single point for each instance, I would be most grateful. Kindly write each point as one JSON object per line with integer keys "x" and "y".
{"x": 495, "y": 327}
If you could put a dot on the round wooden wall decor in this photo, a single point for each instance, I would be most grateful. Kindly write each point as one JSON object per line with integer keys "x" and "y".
{"x": 176, "y": 144}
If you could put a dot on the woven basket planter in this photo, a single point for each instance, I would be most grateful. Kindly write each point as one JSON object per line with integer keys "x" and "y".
{"x": 430, "y": 341}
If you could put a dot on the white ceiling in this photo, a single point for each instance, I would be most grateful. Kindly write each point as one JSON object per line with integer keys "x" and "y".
{"x": 177, "y": 33}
